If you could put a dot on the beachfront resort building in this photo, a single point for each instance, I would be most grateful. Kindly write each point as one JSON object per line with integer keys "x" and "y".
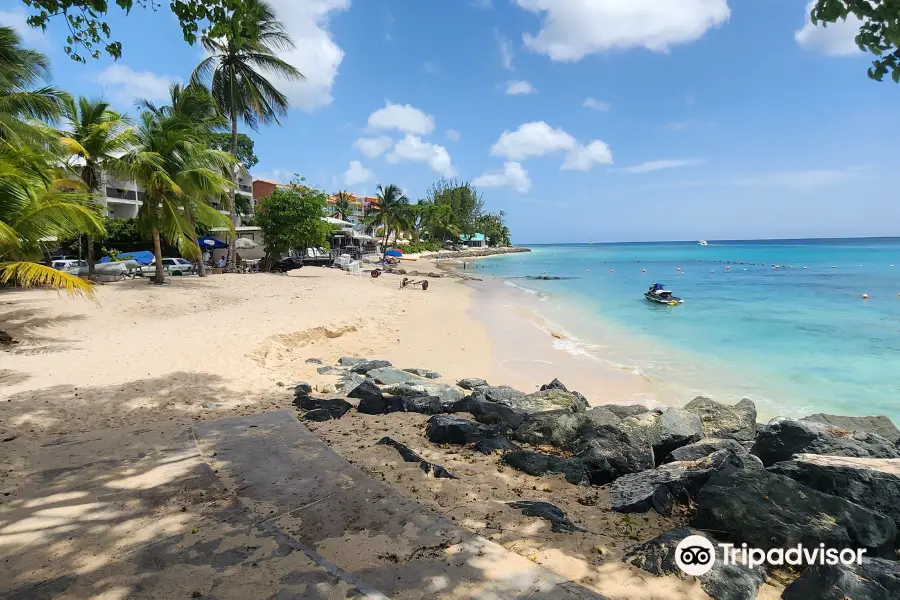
{"x": 360, "y": 208}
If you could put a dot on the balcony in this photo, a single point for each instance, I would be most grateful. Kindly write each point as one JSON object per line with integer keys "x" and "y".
{"x": 125, "y": 195}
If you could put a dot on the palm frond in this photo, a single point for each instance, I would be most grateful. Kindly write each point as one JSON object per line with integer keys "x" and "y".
{"x": 31, "y": 275}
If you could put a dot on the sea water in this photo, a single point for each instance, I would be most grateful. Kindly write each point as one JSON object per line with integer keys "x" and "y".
{"x": 781, "y": 322}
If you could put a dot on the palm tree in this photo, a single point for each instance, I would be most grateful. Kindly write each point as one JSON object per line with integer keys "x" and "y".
{"x": 232, "y": 74}
{"x": 20, "y": 70}
{"x": 95, "y": 136}
{"x": 390, "y": 210}
{"x": 342, "y": 205}
{"x": 179, "y": 171}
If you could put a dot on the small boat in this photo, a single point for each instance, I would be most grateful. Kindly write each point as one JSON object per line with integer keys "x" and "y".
{"x": 702, "y": 243}
{"x": 659, "y": 294}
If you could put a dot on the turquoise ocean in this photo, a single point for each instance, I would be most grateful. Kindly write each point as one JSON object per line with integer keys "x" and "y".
{"x": 796, "y": 339}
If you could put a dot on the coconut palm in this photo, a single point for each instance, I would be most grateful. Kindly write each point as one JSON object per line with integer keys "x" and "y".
{"x": 342, "y": 206}
{"x": 39, "y": 202}
{"x": 94, "y": 136}
{"x": 20, "y": 70}
{"x": 179, "y": 171}
{"x": 389, "y": 212}
{"x": 232, "y": 74}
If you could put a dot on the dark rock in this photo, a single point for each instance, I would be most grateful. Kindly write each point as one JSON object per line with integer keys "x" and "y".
{"x": 495, "y": 444}
{"x": 551, "y": 399}
{"x": 436, "y": 471}
{"x": 881, "y": 425}
{"x": 407, "y": 454}
{"x": 722, "y": 582}
{"x": 608, "y": 453}
{"x": 558, "y": 428}
{"x": 870, "y": 482}
{"x": 549, "y": 512}
{"x": 314, "y": 361}
{"x": 329, "y": 370}
{"x": 426, "y": 373}
{"x": 499, "y": 394}
{"x": 556, "y": 384}
{"x": 491, "y": 413}
{"x": 471, "y": 383}
{"x": 363, "y": 368}
{"x": 391, "y": 376}
{"x": 782, "y": 438}
{"x": 676, "y": 482}
{"x": 302, "y": 389}
{"x": 600, "y": 415}
{"x": 318, "y": 414}
{"x": 337, "y": 408}
{"x": 6, "y": 339}
{"x": 351, "y": 361}
{"x": 348, "y": 382}
{"x": 704, "y": 447}
{"x": 453, "y": 430}
{"x": 537, "y": 464}
{"x": 425, "y": 405}
{"x": 622, "y": 411}
{"x": 372, "y": 401}
{"x": 722, "y": 421}
{"x": 448, "y": 394}
{"x": 767, "y": 511}
{"x": 873, "y": 579}
{"x": 673, "y": 429}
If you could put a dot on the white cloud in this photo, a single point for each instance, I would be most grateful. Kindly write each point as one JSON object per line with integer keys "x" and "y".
{"x": 15, "y": 19}
{"x": 124, "y": 85}
{"x": 659, "y": 165}
{"x": 356, "y": 174}
{"x": 316, "y": 55}
{"x": 837, "y": 39}
{"x": 373, "y": 147}
{"x": 532, "y": 139}
{"x": 504, "y": 47}
{"x": 797, "y": 179}
{"x": 583, "y": 158}
{"x": 572, "y": 29}
{"x": 598, "y": 105}
{"x": 453, "y": 135}
{"x": 413, "y": 149}
{"x": 402, "y": 117}
{"x": 538, "y": 139}
{"x": 515, "y": 88}
{"x": 513, "y": 175}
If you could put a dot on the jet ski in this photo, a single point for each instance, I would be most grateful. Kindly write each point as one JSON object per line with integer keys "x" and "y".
{"x": 657, "y": 293}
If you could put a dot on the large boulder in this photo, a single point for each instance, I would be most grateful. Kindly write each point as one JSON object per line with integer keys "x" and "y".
{"x": 767, "y": 511}
{"x": 782, "y": 438}
{"x": 549, "y": 512}
{"x": 551, "y": 399}
{"x": 351, "y": 361}
{"x": 348, "y": 382}
{"x": 704, "y": 447}
{"x": 722, "y": 421}
{"x": 329, "y": 370}
{"x": 454, "y": 430}
{"x": 425, "y": 405}
{"x": 600, "y": 415}
{"x": 490, "y": 413}
{"x": 608, "y": 453}
{"x": 447, "y": 393}
{"x": 373, "y": 402}
{"x": 626, "y": 410}
{"x": 426, "y": 373}
{"x": 673, "y": 429}
{"x": 881, "y": 425}
{"x": 873, "y": 579}
{"x": 722, "y": 582}
{"x": 556, "y": 384}
{"x": 870, "y": 482}
{"x": 391, "y": 376}
{"x": 537, "y": 464}
{"x": 493, "y": 445}
{"x": 500, "y": 394}
{"x": 470, "y": 383}
{"x": 558, "y": 428}
{"x": 674, "y": 482}
{"x": 363, "y": 368}
{"x": 335, "y": 408}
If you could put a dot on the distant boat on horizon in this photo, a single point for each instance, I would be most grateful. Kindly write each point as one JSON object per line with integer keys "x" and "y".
{"x": 702, "y": 243}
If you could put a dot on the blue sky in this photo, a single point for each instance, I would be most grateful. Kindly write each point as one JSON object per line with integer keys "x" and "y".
{"x": 600, "y": 119}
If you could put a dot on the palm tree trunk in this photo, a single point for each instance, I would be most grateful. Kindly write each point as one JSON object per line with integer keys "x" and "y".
{"x": 90, "y": 257}
{"x": 157, "y": 253}
{"x": 232, "y": 210}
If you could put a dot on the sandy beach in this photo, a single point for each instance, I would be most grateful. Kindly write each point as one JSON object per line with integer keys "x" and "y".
{"x": 199, "y": 349}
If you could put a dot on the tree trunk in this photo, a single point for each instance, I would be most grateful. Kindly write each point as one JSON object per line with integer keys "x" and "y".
{"x": 232, "y": 211}
{"x": 157, "y": 253}
{"x": 90, "y": 258}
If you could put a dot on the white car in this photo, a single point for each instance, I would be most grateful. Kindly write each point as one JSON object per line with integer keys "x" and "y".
{"x": 178, "y": 266}
{"x": 68, "y": 265}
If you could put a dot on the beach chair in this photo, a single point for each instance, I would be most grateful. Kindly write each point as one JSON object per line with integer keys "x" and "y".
{"x": 354, "y": 268}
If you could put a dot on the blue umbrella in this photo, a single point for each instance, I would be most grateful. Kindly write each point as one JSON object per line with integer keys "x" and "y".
{"x": 394, "y": 253}
{"x": 208, "y": 243}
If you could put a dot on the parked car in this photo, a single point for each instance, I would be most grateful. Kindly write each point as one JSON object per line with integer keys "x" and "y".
{"x": 317, "y": 257}
{"x": 68, "y": 264}
{"x": 178, "y": 266}
{"x": 288, "y": 263}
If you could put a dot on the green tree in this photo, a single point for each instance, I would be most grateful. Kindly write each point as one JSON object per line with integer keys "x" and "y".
{"x": 442, "y": 223}
{"x": 179, "y": 171}
{"x": 878, "y": 34}
{"x": 463, "y": 199}
{"x": 292, "y": 218}
{"x": 493, "y": 227}
{"x": 389, "y": 212}
{"x": 94, "y": 136}
{"x": 245, "y": 147}
{"x": 341, "y": 205}
{"x": 238, "y": 55}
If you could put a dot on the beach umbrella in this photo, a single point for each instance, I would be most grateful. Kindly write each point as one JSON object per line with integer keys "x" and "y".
{"x": 209, "y": 243}
{"x": 393, "y": 252}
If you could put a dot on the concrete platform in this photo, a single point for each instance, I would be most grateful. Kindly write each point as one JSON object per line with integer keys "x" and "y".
{"x": 242, "y": 508}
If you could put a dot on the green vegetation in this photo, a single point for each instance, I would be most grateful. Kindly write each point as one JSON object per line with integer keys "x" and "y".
{"x": 342, "y": 205}
{"x": 245, "y": 147}
{"x": 879, "y": 33}
{"x": 292, "y": 218}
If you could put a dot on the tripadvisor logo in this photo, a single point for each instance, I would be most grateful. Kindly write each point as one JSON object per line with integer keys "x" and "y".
{"x": 695, "y": 555}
